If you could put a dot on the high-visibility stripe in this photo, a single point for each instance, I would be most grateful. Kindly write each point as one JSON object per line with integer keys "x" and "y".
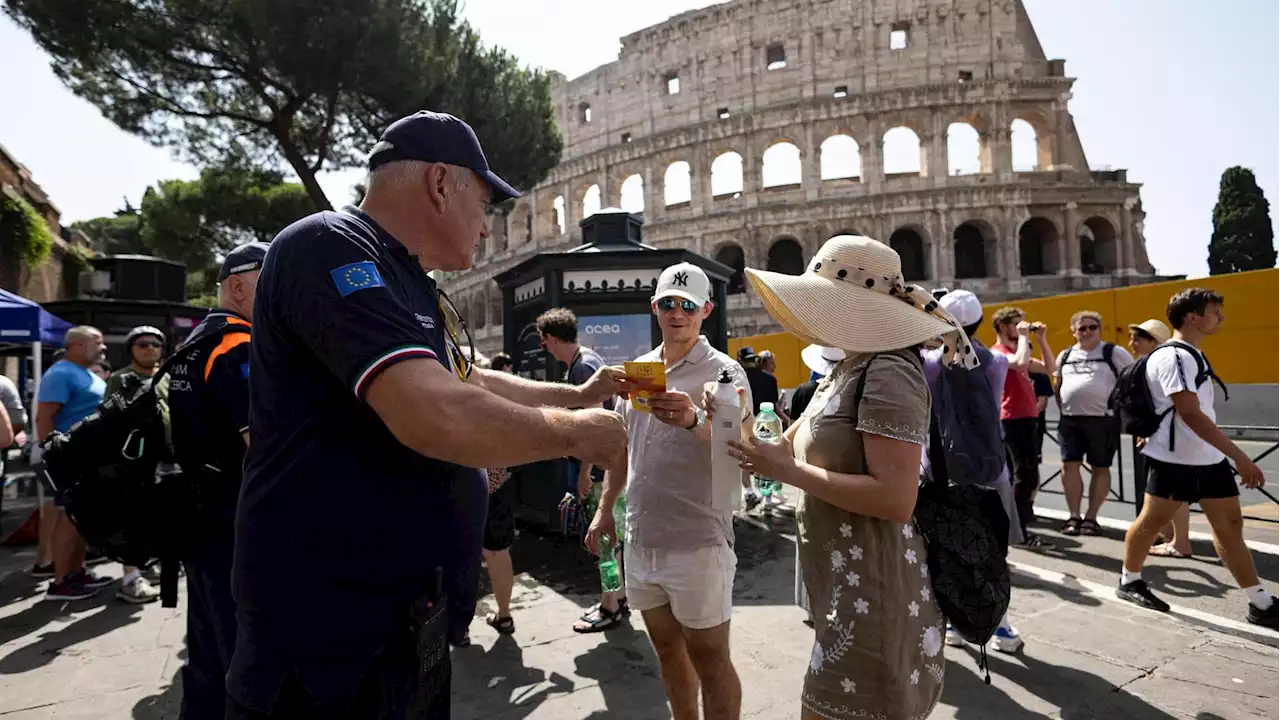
{"x": 391, "y": 357}
{"x": 229, "y": 342}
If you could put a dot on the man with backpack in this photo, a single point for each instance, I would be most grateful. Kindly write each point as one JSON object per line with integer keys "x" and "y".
{"x": 1169, "y": 399}
{"x": 209, "y": 410}
{"x": 966, "y": 443}
{"x": 1086, "y": 373}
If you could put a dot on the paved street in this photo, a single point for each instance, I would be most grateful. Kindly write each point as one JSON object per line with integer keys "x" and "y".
{"x": 1087, "y": 655}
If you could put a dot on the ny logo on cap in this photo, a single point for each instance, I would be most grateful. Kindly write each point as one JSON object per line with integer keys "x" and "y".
{"x": 681, "y": 279}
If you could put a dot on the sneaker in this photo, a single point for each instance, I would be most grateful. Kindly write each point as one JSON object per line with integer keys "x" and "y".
{"x": 1139, "y": 594}
{"x": 953, "y": 638}
{"x": 138, "y": 592}
{"x": 1265, "y": 618}
{"x": 42, "y": 572}
{"x": 90, "y": 579}
{"x": 1006, "y": 640}
{"x": 69, "y": 589}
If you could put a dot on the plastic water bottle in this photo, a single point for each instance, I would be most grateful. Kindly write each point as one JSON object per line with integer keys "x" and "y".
{"x": 610, "y": 580}
{"x": 726, "y": 475}
{"x": 768, "y": 429}
{"x": 620, "y": 515}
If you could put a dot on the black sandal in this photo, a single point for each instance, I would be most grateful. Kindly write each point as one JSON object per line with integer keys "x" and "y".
{"x": 504, "y": 625}
{"x": 1089, "y": 527}
{"x": 1072, "y": 526}
{"x": 598, "y": 619}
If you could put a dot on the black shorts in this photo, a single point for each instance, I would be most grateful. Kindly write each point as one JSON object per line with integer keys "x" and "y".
{"x": 1091, "y": 438}
{"x": 500, "y": 526}
{"x": 1190, "y": 483}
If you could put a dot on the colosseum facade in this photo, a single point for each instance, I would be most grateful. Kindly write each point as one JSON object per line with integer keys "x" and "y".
{"x": 753, "y": 130}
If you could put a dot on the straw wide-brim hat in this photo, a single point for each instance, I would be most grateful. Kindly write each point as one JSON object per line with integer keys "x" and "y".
{"x": 1155, "y": 329}
{"x": 844, "y": 299}
{"x": 821, "y": 359}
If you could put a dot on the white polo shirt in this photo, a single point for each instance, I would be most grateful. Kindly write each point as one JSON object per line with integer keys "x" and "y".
{"x": 1172, "y": 370}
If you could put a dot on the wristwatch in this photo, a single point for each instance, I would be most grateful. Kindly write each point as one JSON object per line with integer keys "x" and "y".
{"x": 699, "y": 417}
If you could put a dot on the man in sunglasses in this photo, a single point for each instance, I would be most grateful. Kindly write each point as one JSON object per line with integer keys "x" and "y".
{"x": 679, "y": 558}
{"x": 1086, "y": 372}
{"x": 361, "y": 501}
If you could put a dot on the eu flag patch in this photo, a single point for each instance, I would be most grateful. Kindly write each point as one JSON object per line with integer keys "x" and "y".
{"x": 356, "y": 276}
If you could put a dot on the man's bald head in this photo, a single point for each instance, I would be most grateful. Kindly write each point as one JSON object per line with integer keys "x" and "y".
{"x": 85, "y": 345}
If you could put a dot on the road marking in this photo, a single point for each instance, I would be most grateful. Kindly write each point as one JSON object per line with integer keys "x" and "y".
{"x": 1106, "y": 592}
{"x": 1123, "y": 525}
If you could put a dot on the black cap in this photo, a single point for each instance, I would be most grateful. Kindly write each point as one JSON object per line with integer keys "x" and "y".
{"x": 438, "y": 138}
{"x": 245, "y": 258}
{"x": 747, "y": 354}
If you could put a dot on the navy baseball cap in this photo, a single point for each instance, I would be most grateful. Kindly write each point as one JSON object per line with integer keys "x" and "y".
{"x": 438, "y": 138}
{"x": 244, "y": 258}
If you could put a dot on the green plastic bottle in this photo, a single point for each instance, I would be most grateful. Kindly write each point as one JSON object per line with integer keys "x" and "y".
{"x": 610, "y": 579}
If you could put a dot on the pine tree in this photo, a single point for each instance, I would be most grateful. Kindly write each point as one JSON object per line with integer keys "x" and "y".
{"x": 1243, "y": 238}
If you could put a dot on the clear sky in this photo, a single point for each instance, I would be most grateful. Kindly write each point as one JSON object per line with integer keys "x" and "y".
{"x": 1173, "y": 90}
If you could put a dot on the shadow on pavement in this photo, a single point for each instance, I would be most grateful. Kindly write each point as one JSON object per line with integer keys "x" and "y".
{"x": 1080, "y": 694}
{"x": 164, "y": 705}
{"x": 18, "y": 586}
{"x": 499, "y": 683}
{"x": 625, "y": 668}
{"x": 1065, "y": 592}
{"x": 113, "y": 615}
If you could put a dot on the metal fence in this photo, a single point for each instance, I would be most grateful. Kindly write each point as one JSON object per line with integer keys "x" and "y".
{"x": 1111, "y": 492}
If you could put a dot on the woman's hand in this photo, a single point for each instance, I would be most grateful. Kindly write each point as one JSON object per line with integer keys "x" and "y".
{"x": 775, "y": 461}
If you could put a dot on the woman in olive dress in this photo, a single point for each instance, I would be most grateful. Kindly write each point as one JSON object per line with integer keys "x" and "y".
{"x": 855, "y": 454}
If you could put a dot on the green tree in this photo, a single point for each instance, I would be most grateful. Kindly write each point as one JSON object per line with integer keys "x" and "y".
{"x": 309, "y": 82}
{"x": 1243, "y": 238}
{"x": 119, "y": 234}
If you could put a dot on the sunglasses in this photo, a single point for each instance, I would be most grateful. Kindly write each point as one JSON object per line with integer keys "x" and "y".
{"x": 460, "y": 364}
{"x": 667, "y": 304}
{"x": 149, "y": 345}
{"x": 1086, "y": 328}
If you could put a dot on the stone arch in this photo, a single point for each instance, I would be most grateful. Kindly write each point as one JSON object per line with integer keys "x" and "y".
{"x": 1038, "y": 247}
{"x": 903, "y": 153}
{"x": 731, "y": 254}
{"x": 560, "y": 216}
{"x": 591, "y": 201}
{"x": 677, "y": 183}
{"x": 964, "y": 149}
{"x": 478, "y": 308}
{"x": 1099, "y": 248}
{"x": 726, "y": 174}
{"x": 839, "y": 157}
{"x": 976, "y": 250}
{"x": 780, "y": 165}
{"x": 631, "y": 194}
{"x": 786, "y": 256}
{"x": 913, "y": 250}
{"x": 495, "y": 303}
{"x": 1032, "y": 141}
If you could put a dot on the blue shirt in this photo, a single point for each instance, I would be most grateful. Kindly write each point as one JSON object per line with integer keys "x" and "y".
{"x": 339, "y": 527}
{"x": 77, "y": 390}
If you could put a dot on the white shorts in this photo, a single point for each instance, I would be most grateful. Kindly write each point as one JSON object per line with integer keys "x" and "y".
{"x": 698, "y": 584}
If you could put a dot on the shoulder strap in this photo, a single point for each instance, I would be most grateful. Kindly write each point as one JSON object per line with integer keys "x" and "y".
{"x": 1062, "y": 357}
{"x": 1108, "y": 350}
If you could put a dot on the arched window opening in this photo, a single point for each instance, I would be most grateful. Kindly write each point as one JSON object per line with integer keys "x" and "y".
{"x": 971, "y": 252}
{"x": 560, "y": 219}
{"x": 786, "y": 257}
{"x": 732, "y": 256}
{"x": 677, "y": 185}
{"x": 1098, "y": 247}
{"x": 726, "y": 175}
{"x": 964, "y": 150}
{"x": 780, "y": 165}
{"x": 591, "y": 202}
{"x": 1038, "y": 247}
{"x": 633, "y": 194}
{"x": 901, "y": 152}
{"x": 839, "y": 158}
{"x": 910, "y": 248}
{"x": 1026, "y": 149}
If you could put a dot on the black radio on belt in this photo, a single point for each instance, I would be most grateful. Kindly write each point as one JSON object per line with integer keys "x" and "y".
{"x": 433, "y": 676}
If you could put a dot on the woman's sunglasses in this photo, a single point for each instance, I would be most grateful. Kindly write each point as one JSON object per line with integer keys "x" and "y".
{"x": 667, "y": 304}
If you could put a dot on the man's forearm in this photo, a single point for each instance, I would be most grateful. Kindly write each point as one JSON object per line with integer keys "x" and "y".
{"x": 615, "y": 481}
{"x": 1209, "y": 431}
{"x": 1022, "y": 354}
{"x": 530, "y": 393}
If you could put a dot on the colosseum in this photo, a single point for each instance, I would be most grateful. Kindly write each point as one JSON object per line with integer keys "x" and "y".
{"x": 753, "y": 130}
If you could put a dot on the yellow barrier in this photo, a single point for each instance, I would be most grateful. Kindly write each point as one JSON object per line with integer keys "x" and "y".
{"x": 1245, "y": 350}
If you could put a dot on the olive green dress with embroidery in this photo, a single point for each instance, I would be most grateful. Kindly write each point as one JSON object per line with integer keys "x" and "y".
{"x": 878, "y": 647}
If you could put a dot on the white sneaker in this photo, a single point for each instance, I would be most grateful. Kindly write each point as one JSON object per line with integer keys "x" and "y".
{"x": 1006, "y": 640}
{"x": 138, "y": 591}
{"x": 953, "y": 638}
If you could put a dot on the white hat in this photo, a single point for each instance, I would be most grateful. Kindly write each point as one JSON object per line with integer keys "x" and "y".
{"x": 1155, "y": 329}
{"x": 963, "y": 305}
{"x": 853, "y": 297}
{"x": 684, "y": 280}
{"x": 821, "y": 360}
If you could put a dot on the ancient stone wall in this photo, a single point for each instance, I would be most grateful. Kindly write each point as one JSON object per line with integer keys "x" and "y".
{"x": 754, "y": 130}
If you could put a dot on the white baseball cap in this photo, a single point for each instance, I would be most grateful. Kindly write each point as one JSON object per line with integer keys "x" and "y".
{"x": 684, "y": 280}
{"x": 964, "y": 306}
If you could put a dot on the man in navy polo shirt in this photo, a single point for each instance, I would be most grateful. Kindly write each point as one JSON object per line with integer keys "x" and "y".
{"x": 359, "y": 492}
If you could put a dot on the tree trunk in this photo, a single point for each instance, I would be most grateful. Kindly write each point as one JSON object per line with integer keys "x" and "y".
{"x": 305, "y": 176}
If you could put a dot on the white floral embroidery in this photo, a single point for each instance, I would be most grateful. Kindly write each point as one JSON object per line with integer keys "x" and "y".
{"x": 931, "y": 642}
{"x": 905, "y": 432}
{"x": 821, "y": 656}
{"x": 907, "y": 532}
{"x": 862, "y": 607}
{"x": 853, "y": 579}
{"x": 924, "y": 593}
{"x": 855, "y": 552}
{"x": 815, "y": 657}
{"x": 846, "y": 529}
{"x": 936, "y": 671}
{"x": 913, "y": 609}
{"x": 915, "y": 677}
{"x": 849, "y": 686}
{"x": 911, "y": 556}
{"x": 924, "y": 571}
{"x": 837, "y": 561}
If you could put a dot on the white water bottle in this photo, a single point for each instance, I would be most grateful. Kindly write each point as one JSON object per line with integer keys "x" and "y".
{"x": 726, "y": 476}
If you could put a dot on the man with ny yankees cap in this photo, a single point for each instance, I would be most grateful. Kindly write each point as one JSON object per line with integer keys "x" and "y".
{"x": 367, "y": 407}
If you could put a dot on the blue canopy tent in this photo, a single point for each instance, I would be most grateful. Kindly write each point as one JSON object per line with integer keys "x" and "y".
{"x": 24, "y": 321}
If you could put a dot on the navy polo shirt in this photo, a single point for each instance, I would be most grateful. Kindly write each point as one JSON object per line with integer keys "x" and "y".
{"x": 339, "y": 527}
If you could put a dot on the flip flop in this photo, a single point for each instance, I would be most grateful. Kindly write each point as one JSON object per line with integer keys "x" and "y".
{"x": 1168, "y": 550}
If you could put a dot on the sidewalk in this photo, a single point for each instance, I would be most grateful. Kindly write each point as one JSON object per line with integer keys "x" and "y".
{"x": 1085, "y": 657}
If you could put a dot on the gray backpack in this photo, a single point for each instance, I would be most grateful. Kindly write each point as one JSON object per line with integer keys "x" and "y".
{"x": 965, "y": 444}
